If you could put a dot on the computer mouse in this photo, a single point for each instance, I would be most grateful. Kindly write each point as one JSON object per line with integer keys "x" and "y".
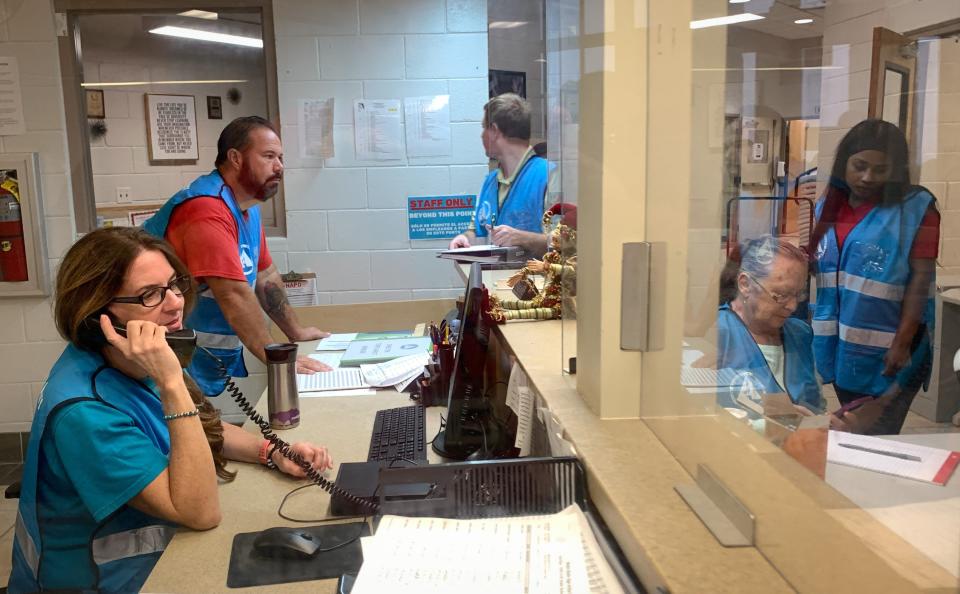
{"x": 286, "y": 543}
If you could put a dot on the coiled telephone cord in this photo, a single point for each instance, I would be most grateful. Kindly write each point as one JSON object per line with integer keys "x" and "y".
{"x": 282, "y": 446}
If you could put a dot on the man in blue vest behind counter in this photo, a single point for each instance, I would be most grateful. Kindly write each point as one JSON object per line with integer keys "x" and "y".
{"x": 214, "y": 226}
{"x": 510, "y": 206}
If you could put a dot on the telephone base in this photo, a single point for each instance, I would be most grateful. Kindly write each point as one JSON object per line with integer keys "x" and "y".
{"x": 361, "y": 479}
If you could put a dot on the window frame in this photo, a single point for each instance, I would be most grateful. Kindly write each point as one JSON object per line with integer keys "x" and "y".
{"x": 71, "y": 72}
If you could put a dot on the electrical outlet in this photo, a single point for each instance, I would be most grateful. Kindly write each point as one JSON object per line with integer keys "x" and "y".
{"x": 123, "y": 194}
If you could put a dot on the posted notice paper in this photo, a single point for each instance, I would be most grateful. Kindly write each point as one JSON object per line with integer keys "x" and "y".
{"x": 377, "y": 129}
{"x": 315, "y": 117}
{"x": 427, "y": 125}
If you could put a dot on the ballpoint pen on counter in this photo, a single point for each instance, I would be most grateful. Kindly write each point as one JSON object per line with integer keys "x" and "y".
{"x": 900, "y": 455}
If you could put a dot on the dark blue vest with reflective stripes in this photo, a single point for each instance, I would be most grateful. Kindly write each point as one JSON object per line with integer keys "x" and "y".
{"x": 126, "y": 545}
{"x": 523, "y": 207}
{"x": 860, "y": 291}
{"x": 213, "y": 330}
{"x": 747, "y": 369}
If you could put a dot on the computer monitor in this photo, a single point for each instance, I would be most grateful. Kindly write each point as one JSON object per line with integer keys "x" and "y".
{"x": 470, "y": 423}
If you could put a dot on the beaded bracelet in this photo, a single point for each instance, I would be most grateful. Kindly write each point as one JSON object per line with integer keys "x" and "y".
{"x": 180, "y": 415}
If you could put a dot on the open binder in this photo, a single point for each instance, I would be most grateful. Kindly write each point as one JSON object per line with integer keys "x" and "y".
{"x": 501, "y": 489}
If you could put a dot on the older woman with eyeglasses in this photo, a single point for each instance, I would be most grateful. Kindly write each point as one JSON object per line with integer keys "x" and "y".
{"x": 761, "y": 348}
{"x": 123, "y": 447}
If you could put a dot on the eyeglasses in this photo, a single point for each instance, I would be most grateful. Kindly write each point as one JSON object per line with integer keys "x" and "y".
{"x": 155, "y": 296}
{"x": 780, "y": 298}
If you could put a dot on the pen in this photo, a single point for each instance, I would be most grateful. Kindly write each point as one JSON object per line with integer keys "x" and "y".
{"x": 902, "y": 456}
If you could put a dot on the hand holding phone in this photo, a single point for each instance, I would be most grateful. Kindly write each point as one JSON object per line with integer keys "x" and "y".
{"x": 144, "y": 344}
{"x": 852, "y": 405}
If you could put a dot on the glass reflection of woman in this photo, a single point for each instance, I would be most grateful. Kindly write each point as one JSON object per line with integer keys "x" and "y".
{"x": 761, "y": 348}
{"x": 875, "y": 245}
{"x": 123, "y": 446}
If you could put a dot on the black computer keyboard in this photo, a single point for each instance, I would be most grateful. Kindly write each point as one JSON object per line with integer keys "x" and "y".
{"x": 398, "y": 434}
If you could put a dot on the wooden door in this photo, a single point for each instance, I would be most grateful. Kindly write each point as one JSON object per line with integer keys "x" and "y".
{"x": 893, "y": 79}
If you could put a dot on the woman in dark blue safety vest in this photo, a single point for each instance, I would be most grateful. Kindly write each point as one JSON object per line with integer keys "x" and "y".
{"x": 761, "y": 349}
{"x": 874, "y": 248}
{"x": 123, "y": 448}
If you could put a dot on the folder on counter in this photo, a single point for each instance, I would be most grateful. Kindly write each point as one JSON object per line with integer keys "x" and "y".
{"x": 376, "y": 351}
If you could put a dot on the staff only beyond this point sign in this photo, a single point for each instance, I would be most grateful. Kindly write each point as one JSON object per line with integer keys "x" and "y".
{"x": 439, "y": 217}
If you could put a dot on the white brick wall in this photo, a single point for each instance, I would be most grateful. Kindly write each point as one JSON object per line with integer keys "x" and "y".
{"x": 29, "y": 344}
{"x": 384, "y": 269}
{"x": 120, "y": 157}
{"x": 347, "y": 218}
{"x": 940, "y": 171}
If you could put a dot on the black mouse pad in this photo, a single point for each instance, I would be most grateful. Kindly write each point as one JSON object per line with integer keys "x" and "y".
{"x": 249, "y": 568}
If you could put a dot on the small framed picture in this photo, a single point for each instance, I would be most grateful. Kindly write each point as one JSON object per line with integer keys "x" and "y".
{"x": 507, "y": 81}
{"x": 214, "y": 108}
{"x": 95, "y": 105}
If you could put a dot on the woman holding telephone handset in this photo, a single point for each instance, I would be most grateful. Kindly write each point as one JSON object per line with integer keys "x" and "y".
{"x": 124, "y": 448}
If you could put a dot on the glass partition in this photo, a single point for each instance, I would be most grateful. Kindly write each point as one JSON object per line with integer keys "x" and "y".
{"x": 810, "y": 154}
{"x": 563, "y": 129}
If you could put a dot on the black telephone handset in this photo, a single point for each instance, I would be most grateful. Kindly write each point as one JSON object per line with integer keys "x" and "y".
{"x": 282, "y": 446}
{"x": 182, "y": 342}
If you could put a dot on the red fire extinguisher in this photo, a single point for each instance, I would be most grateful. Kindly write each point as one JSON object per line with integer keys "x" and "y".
{"x": 13, "y": 253}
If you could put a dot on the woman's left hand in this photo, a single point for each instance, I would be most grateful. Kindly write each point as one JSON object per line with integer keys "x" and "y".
{"x": 317, "y": 456}
{"x": 896, "y": 358}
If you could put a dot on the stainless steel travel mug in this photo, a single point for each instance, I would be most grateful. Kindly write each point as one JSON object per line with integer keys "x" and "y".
{"x": 283, "y": 400}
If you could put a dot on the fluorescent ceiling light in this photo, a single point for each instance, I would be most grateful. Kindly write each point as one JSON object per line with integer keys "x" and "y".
{"x": 725, "y": 20}
{"x": 803, "y": 21}
{"x": 199, "y": 14}
{"x": 161, "y": 82}
{"x": 207, "y": 36}
{"x": 506, "y": 24}
{"x": 739, "y": 1}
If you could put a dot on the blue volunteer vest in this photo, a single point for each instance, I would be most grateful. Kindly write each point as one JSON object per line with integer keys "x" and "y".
{"x": 126, "y": 545}
{"x": 523, "y": 206}
{"x": 860, "y": 290}
{"x": 738, "y": 352}
{"x": 213, "y": 330}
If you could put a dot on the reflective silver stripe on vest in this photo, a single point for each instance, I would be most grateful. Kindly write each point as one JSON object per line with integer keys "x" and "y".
{"x": 871, "y": 288}
{"x": 824, "y": 327}
{"x": 862, "y": 336}
{"x": 218, "y": 341}
{"x": 27, "y": 546}
{"x": 130, "y": 543}
{"x": 826, "y": 280}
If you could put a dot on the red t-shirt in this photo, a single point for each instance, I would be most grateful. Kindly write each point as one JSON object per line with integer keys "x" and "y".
{"x": 925, "y": 246}
{"x": 205, "y": 236}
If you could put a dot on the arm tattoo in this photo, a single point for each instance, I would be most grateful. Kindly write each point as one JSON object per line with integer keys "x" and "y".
{"x": 275, "y": 299}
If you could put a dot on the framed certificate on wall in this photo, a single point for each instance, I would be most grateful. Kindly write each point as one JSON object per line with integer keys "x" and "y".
{"x": 171, "y": 127}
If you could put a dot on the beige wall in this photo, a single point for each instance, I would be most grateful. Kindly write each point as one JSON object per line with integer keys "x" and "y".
{"x": 940, "y": 143}
{"x": 29, "y": 344}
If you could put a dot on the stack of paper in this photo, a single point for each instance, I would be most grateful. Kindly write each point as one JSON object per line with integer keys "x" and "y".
{"x": 397, "y": 372}
{"x": 556, "y": 554}
{"x": 922, "y": 463}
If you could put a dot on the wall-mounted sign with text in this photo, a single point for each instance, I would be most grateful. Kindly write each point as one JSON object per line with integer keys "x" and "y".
{"x": 439, "y": 217}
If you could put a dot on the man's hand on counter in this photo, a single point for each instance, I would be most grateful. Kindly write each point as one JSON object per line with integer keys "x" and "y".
{"x": 308, "y": 366}
{"x": 309, "y": 333}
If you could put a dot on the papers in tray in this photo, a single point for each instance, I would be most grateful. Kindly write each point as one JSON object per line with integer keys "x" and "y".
{"x": 347, "y": 378}
{"x": 555, "y": 553}
{"x": 398, "y": 372}
{"x": 482, "y": 253}
{"x": 917, "y": 462}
